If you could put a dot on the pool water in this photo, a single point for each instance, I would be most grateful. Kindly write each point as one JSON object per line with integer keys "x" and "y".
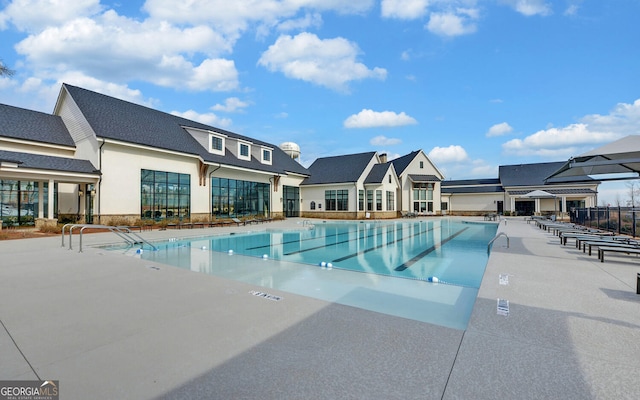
{"x": 382, "y": 266}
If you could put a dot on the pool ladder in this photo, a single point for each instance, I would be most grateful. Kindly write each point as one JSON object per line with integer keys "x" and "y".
{"x": 494, "y": 239}
{"x": 124, "y": 232}
{"x": 308, "y": 223}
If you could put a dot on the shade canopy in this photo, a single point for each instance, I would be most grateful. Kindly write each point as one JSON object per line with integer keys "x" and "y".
{"x": 614, "y": 161}
{"x": 539, "y": 194}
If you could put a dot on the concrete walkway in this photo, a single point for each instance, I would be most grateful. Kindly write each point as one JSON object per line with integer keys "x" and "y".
{"x": 109, "y": 326}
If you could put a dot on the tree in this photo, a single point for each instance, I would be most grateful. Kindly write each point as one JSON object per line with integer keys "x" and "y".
{"x": 634, "y": 192}
{"x": 4, "y": 70}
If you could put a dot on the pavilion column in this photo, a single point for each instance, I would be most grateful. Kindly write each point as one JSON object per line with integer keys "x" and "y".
{"x": 50, "y": 199}
{"x": 40, "y": 199}
{"x": 537, "y": 203}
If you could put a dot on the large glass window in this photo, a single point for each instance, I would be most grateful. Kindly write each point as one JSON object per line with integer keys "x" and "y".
{"x": 330, "y": 200}
{"x": 378, "y": 200}
{"x": 360, "y": 200}
{"x": 390, "y": 201}
{"x": 164, "y": 194}
{"x": 336, "y": 200}
{"x": 236, "y": 198}
{"x": 342, "y": 197}
{"x": 19, "y": 201}
{"x": 423, "y": 197}
{"x": 369, "y": 200}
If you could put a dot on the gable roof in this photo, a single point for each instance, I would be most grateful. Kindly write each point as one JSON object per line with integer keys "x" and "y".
{"x": 401, "y": 163}
{"x": 33, "y": 126}
{"x": 120, "y": 120}
{"x": 338, "y": 169}
{"x": 50, "y": 163}
{"x": 377, "y": 173}
{"x": 527, "y": 174}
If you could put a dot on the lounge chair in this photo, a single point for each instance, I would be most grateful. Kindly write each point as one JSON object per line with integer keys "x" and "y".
{"x": 238, "y": 222}
{"x": 626, "y": 250}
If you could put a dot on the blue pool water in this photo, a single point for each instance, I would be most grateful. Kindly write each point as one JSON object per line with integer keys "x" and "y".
{"x": 383, "y": 266}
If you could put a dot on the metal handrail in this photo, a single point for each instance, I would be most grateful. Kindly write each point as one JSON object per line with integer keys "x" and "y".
{"x": 123, "y": 232}
{"x": 494, "y": 239}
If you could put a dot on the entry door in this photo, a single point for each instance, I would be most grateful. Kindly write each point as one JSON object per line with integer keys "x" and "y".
{"x": 291, "y": 201}
{"x": 499, "y": 207}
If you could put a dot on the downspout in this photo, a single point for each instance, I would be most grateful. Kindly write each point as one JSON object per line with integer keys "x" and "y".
{"x": 270, "y": 195}
{"x": 211, "y": 194}
{"x": 100, "y": 181}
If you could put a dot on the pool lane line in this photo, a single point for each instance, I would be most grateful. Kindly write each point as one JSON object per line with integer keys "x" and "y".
{"x": 415, "y": 259}
{"x": 335, "y": 244}
{"x": 303, "y": 240}
{"x": 312, "y": 238}
{"x": 383, "y": 245}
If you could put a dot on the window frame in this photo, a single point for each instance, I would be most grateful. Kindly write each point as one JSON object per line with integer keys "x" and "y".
{"x": 266, "y": 160}
{"x": 240, "y": 146}
{"x": 213, "y": 150}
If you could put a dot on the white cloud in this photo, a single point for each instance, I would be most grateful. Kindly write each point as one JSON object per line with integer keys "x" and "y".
{"x": 460, "y": 22}
{"x": 32, "y": 15}
{"x": 232, "y": 104}
{"x": 310, "y": 20}
{"x": 591, "y": 131}
{"x": 451, "y": 154}
{"x": 499, "y": 129}
{"x": 329, "y": 62}
{"x": 373, "y": 119}
{"x": 111, "y": 47}
{"x": 572, "y": 9}
{"x": 404, "y": 9}
{"x": 530, "y": 7}
{"x": 384, "y": 141}
{"x": 233, "y": 17}
{"x": 206, "y": 118}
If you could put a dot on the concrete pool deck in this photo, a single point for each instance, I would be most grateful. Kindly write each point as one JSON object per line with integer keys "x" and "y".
{"x": 110, "y": 326}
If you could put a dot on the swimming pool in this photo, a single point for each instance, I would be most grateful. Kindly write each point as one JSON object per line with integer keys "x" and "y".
{"x": 383, "y": 266}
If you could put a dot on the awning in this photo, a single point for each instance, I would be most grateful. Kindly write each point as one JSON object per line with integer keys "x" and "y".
{"x": 539, "y": 194}
{"x": 423, "y": 178}
{"x": 615, "y": 161}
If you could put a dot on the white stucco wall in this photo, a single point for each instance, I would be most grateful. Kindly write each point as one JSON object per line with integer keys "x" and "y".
{"x": 120, "y": 186}
{"x": 475, "y": 202}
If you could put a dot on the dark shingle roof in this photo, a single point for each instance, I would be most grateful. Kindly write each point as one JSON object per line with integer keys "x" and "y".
{"x": 34, "y": 126}
{"x": 554, "y": 191}
{"x": 471, "y": 189}
{"x": 469, "y": 182}
{"x": 527, "y": 174}
{"x": 424, "y": 178}
{"x": 338, "y": 169}
{"x": 117, "y": 119}
{"x": 50, "y": 163}
{"x": 401, "y": 163}
{"x": 377, "y": 173}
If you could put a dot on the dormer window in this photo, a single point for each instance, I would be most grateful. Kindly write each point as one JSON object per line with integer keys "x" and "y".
{"x": 244, "y": 151}
{"x": 216, "y": 144}
{"x": 266, "y": 156}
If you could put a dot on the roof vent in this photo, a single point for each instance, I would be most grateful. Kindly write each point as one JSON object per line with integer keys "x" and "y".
{"x": 292, "y": 149}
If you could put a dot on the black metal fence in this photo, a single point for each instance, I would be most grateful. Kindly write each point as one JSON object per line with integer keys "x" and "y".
{"x": 622, "y": 220}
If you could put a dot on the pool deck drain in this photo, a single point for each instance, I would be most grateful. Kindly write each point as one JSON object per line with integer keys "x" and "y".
{"x": 108, "y": 326}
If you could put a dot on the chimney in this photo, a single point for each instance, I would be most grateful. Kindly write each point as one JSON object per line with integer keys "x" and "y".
{"x": 383, "y": 158}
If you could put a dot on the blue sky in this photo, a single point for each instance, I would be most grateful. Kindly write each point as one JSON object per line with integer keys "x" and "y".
{"x": 475, "y": 84}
